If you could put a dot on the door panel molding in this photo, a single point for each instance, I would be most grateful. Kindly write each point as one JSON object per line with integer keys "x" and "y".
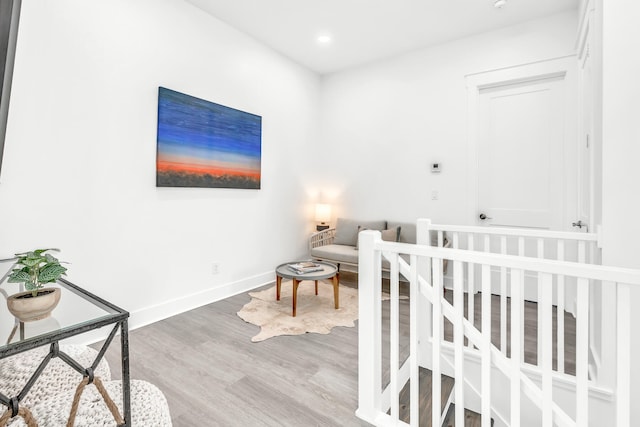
{"x": 563, "y": 68}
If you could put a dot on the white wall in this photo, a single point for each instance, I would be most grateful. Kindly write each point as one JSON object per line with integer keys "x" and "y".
{"x": 621, "y": 151}
{"x": 79, "y": 166}
{"x": 383, "y": 124}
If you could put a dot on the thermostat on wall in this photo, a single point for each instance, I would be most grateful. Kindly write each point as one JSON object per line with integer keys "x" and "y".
{"x": 436, "y": 167}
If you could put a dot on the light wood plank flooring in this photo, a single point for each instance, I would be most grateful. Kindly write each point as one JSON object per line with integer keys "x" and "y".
{"x": 426, "y": 406}
{"x": 213, "y": 375}
{"x": 530, "y": 330}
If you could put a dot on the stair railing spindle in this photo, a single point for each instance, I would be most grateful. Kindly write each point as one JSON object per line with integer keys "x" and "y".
{"x": 458, "y": 295}
{"x": 503, "y": 299}
{"x": 517, "y": 281}
{"x": 486, "y": 347}
{"x": 560, "y": 312}
{"x": 414, "y": 368}
{"x": 471, "y": 281}
{"x": 539, "y": 254}
{"x": 521, "y": 252}
{"x": 623, "y": 358}
{"x": 582, "y": 353}
{"x": 394, "y": 332}
{"x": 546, "y": 362}
{"x": 436, "y": 386}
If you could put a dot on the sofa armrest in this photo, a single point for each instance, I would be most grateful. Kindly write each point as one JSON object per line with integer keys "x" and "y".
{"x": 322, "y": 238}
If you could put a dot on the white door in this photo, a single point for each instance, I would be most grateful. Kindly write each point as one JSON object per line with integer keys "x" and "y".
{"x": 524, "y": 157}
{"x": 520, "y": 154}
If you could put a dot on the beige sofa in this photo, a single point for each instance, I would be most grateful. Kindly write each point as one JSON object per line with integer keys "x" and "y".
{"x": 339, "y": 245}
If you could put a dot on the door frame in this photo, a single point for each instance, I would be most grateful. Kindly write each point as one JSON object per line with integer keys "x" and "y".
{"x": 565, "y": 67}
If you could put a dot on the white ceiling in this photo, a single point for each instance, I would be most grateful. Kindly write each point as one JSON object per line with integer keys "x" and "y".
{"x": 368, "y": 30}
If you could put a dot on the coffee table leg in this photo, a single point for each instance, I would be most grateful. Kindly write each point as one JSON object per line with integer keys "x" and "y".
{"x": 316, "y": 287}
{"x": 278, "y": 284}
{"x": 336, "y": 291}
{"x": 296, "y": 282}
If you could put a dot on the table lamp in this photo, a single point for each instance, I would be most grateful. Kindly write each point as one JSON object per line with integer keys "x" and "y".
{"x": 323, "y": 216}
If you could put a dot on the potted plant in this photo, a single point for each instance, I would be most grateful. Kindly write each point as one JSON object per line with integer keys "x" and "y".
{"x": 35, "y": 269}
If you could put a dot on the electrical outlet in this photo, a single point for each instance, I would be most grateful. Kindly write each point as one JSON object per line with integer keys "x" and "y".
{"x": 215, "y": 268}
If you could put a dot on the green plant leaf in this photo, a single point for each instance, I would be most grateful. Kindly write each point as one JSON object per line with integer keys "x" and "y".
{"x": 50, "y": 258}
{"x": 19, "y": 276}
{"x": 51, "y": 273}
{"x": 32, "y": 261}
{"x": 30, "y": 286}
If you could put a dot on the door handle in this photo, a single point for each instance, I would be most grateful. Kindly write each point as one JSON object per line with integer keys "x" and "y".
{"x": 580, "y": 224}
{"x": 483, "y": 217}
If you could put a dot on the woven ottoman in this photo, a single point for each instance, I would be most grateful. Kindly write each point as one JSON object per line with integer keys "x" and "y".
{"x": 57, "y": 377}
{"x": 148, "y": 407}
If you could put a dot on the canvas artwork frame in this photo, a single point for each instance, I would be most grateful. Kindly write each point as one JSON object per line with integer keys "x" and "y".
{"x": 204, "y": 144}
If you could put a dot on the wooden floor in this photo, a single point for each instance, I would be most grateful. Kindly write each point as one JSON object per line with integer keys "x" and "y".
{"x": 471, "y": 419}
{"x": 213, "y": 375}
{"x": 425, "y": 400}
{"x": 530, "y": 330}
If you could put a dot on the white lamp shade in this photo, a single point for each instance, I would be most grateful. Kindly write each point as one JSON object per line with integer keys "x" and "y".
{"x": 323, "y": 212}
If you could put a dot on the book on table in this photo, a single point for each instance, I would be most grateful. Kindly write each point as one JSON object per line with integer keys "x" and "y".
{"x": 305, "y": 267}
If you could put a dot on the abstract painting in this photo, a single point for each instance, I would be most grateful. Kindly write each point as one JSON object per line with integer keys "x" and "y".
{"x": 203, "y": 144}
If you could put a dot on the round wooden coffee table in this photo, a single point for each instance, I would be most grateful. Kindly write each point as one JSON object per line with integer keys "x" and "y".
{"x": 329, "y": 271}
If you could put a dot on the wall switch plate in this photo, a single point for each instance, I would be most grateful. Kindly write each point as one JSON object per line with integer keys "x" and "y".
{"x": 435, "y": 194}
{"x": 215, "y": 268}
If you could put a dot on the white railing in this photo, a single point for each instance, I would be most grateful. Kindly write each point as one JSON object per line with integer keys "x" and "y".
{"x": 489, "y": 379}
{"x": 543, "y": 244}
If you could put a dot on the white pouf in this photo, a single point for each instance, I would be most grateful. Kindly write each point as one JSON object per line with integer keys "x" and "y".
{"x": 149, "y": 407}
{"x": 57, "y": 377}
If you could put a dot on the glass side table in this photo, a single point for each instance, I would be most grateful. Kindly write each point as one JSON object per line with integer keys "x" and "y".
{"x": 78, "y": 312}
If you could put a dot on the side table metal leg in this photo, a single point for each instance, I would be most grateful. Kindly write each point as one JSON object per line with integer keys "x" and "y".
{"x": 316, "y": 287}
{"x": 336, "y": 291}
{"x": 126, "y": 381}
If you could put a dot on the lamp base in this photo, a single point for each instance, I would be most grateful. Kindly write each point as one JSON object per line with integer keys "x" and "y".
{"x": 321, "y": 227}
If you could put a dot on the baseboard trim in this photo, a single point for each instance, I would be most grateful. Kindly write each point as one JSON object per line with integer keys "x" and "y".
{"x": 155, "y": 313}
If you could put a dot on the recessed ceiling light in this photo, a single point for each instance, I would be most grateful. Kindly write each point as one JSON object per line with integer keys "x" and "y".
{"x": 324, "y": 39}
{"x": 499, "y": 3}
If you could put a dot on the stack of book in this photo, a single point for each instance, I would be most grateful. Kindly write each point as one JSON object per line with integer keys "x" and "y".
{"x": 305, "y": 267}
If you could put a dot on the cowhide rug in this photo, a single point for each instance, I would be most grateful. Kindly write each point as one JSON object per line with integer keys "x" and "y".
{"x": 315, "y": 314}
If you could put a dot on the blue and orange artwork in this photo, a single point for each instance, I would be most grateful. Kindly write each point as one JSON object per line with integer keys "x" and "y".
{"x": 203, "y": 144}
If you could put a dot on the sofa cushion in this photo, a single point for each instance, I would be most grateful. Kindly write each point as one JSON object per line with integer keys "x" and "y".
{"x": 391, "y": 234}
{"x": 388, "y": 235}
{"x": 407, "y": 231}
{"x": 344, "y": 254}
{"x": 347, "y": 230}
{"x": 336, "y": 253}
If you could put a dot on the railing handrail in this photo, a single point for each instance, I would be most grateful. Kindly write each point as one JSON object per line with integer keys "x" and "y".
{"x": 618, "y": 280}
{"x": 566, "y": 268}
{"x": 500, "y": 360}
{"x": 516, "y": 232}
